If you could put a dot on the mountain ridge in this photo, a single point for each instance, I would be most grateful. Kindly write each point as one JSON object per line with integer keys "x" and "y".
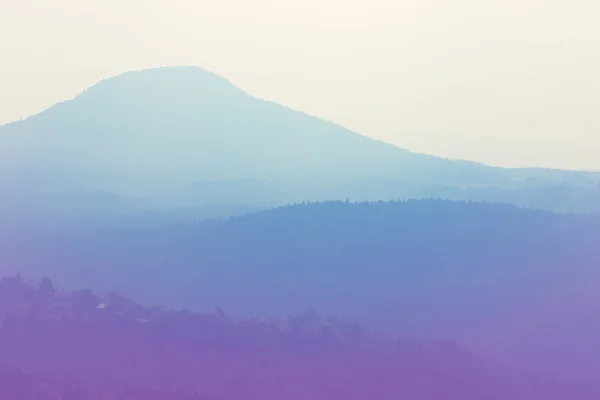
{"x": 104, "y": 83}
{"x": 162, "y": 130}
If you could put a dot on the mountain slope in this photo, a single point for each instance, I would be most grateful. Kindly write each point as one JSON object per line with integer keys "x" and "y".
{"x": 159, "y": 133}
{"x": 188, "y": 121}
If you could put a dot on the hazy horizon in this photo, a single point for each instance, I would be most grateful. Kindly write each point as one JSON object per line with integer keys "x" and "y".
{"x": 299, "y": 200}
{"x": 496, "y": 83}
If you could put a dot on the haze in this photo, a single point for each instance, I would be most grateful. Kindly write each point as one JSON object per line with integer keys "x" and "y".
{"x": 510, "y": 83}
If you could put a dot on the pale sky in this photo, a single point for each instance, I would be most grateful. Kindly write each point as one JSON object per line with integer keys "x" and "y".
{"x": 505, "y": 82}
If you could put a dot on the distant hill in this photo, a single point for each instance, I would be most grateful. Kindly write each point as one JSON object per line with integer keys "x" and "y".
{"x": 183, "y": 137}
{"x": 502, "y": 280}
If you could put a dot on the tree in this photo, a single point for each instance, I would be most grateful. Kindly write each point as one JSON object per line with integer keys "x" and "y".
{"x": 46, "y": 287}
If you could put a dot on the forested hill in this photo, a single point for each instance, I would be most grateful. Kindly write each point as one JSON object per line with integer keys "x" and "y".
{"x": 94, "y": 347}
{"x": 432, "y": 267}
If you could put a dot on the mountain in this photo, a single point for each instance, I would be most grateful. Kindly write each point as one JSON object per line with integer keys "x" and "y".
{"x": 101, "y": 343}
{"x": 518, "y": 285}
{"x": 184, "y": 137}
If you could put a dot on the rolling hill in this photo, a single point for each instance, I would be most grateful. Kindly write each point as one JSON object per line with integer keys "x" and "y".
{"x": 516, "y": 284}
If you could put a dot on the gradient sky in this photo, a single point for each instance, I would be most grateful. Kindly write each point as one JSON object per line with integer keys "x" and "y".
{"x": 506, "y": 82}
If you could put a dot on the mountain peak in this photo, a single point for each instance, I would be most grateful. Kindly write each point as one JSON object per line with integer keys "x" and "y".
{"x": 163, "y": 81}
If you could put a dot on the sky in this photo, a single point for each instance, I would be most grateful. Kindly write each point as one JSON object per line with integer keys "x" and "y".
{"x": 504, "y": 82}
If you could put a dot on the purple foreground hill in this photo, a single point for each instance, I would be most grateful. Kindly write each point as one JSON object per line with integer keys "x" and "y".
{"x": 108, "y": 342}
